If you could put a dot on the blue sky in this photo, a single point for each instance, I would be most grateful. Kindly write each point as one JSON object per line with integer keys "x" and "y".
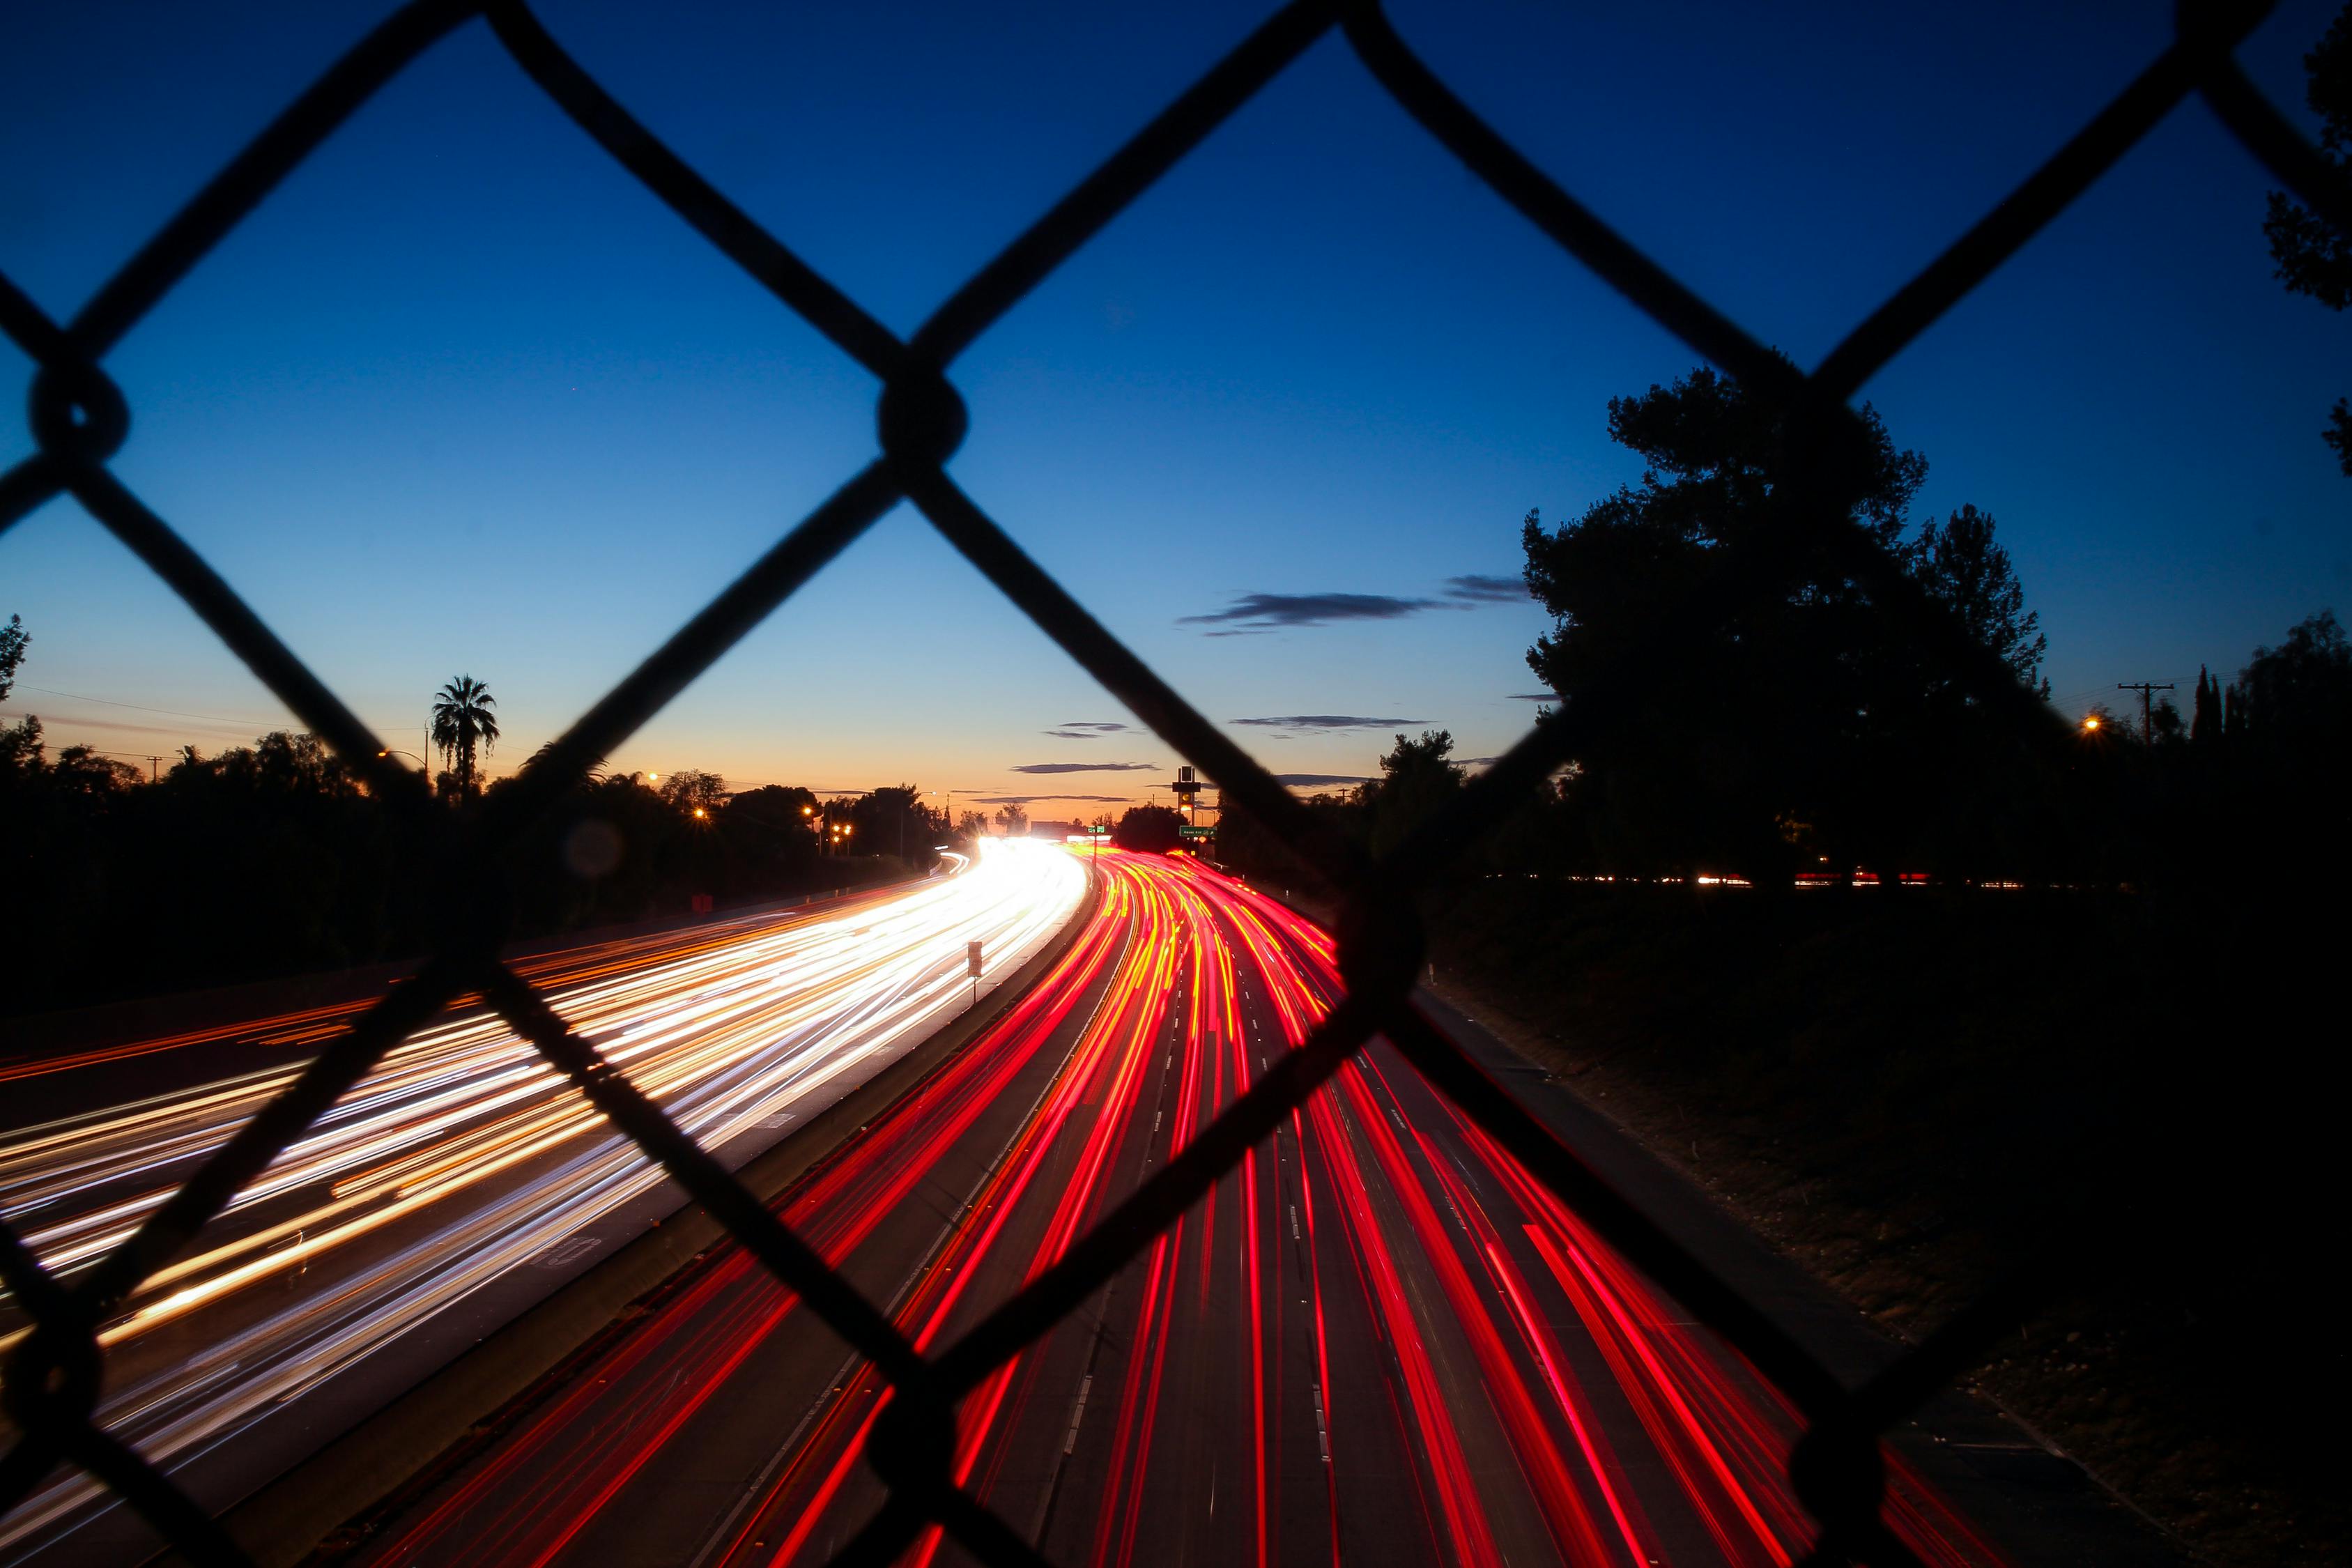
{"x": 460, "y": 396}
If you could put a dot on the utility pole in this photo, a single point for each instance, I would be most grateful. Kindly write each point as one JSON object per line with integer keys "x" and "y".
{"x": 155, "y": 769}
{"x": 2147, "y": 723}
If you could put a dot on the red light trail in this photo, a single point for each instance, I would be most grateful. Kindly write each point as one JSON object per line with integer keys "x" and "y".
{"x": 1378, "y": 1340}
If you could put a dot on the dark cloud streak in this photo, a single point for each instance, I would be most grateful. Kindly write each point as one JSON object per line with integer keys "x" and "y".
{"x": 1266, "y": 610}
{"x": 1085, "y": 767}
{"x": 1478, "y": 588}
{"x": 1032, "y": 799}
{"x": 1325, "y": 721}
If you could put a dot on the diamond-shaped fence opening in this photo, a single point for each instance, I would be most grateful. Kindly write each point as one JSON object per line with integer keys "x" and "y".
{"x": 78, "y": 419}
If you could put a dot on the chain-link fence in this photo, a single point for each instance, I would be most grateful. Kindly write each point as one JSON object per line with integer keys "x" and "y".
{"x": 78, "y": 420}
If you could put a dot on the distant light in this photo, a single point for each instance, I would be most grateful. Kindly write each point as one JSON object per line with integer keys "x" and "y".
{"x": 699, "y": 812}
{"x": 2090, "y": 721}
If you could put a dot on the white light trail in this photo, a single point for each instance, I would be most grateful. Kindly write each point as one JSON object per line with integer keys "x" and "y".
{"x": 464, "y": 1153}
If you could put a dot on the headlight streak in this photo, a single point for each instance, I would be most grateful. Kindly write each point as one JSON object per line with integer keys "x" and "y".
{"x": 1378, "y": 1338}
{"x": 464, "y": 1154}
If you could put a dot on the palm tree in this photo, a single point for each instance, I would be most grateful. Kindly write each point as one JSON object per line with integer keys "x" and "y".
{"x": 462, "y": 721}
{"x": 593, "y": 774}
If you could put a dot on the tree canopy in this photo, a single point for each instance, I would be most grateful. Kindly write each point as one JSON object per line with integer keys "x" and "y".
{"x": 2313, "y": 259}
{"x": 1810, "y": 724}
{"x": 1152, "y": 829}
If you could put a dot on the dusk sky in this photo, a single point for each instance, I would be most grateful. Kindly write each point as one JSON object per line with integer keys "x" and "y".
{"x": 463, "y": 397}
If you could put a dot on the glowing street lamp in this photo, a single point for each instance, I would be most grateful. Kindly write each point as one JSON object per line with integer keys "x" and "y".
{"x": 2090, "y": 723}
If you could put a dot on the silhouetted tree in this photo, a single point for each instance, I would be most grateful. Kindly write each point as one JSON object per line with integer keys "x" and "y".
{"x": 1417, "y": 778}
{"x": 2313, "y": 257}
{"x": 2205, "y": 719}
{"x": 20, "y": 743}
{"x": 1960, "y": 566}
{"x": 895, "y": 821}
{"x": 694, "y": 793}
{"x": 1014, "y": 818}
{"x": 1152, "y": 829}
{"x": 12, "y": 654}
{"x": 593, "y": 773}
{"x": 2304, "y": 686}
{"x": 1756, "y": 720}
{"x": 462, "y": 725}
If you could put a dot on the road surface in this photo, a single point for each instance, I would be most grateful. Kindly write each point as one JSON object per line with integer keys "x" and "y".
{"x": 1378, "y": 1341}
{"x": 463, "y": 1179}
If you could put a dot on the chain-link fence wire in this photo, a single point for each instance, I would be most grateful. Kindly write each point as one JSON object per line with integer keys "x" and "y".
{"x": 78, "y": 419}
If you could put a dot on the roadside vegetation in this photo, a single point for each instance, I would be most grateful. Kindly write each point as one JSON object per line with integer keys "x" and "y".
{"x": 269, "y": 859}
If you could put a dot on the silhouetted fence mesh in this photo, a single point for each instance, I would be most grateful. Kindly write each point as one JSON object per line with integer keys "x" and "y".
{"x": 78, "y": 419}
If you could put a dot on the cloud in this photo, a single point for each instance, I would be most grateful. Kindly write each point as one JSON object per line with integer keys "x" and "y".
{"x": 1263, "y": 611}
{"x": 1326, "y": 721}
{"x": 1032, "y": 799}
{"x": 1091, "y": 724}
{"x": 1534, "y": 697}
{"x": 1070, "y": 734}
{"x": 1252, "y": 614}
{"x": 1086, "y": 767}
{"x": 1310, "y": 780}
{"x": 1479, "y": 589}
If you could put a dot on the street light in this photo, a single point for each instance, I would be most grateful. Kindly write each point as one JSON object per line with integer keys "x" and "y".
{"x": 2090, "y": 723}
{"x": 423, "y": 766}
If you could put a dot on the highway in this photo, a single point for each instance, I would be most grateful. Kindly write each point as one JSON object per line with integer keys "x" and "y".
{"x": 464, "y": 1178}
{"x": 1378, "y": 1341}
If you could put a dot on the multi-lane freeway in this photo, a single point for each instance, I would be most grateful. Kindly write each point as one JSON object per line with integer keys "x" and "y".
{"x": 1378, "y": 1341}
{"x": 464, "y": 1178}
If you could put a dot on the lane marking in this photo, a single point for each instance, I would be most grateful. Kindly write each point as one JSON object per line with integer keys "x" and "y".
{"x": 1078, "y": 1414}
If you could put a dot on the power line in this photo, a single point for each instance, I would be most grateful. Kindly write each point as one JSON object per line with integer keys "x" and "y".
{"x": 141, "y": 706}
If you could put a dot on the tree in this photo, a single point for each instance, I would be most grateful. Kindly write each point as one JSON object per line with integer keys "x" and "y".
{"x": 2205, "y": 720}
{"x": 1417, "y": 777}
{"x": 694, "y": 793}
{"x": 11, "y": 653}
{"x": 1752, "y": 722}
{"x": 2302, "y": 688}
{"x": 894, "y": 820}
{"x": 20, "y": 743}
{"x": 2313, "y": 259}
{"x": 462, "y": 724}
{"x": 593, "y": 774}
{"x": 1961, "y": 567}
{"x": 1149, "y": 829}
{"x": 1014, "y": 818}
